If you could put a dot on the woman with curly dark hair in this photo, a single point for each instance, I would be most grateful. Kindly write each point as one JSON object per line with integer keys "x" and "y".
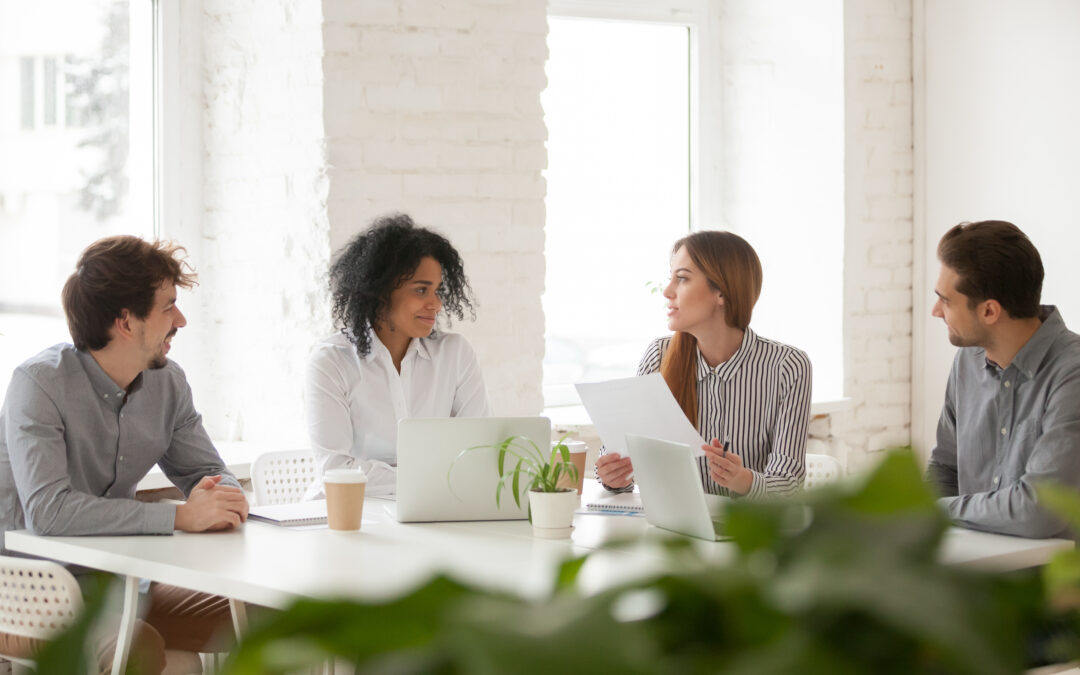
{"x": 388, "y": 361}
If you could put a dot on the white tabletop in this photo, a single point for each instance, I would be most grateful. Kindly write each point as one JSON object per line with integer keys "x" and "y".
{"x": 997, "y": 552}
{"x": 271, "y": 565}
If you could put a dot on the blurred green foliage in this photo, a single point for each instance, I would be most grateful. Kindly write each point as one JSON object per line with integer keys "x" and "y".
{"x": 844, "y": 579}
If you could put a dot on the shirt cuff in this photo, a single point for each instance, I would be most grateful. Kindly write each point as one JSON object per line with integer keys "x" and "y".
{"x": 160, "y": 518}
{"x": 628, "y": 488}
{"x": 758, "y": 488}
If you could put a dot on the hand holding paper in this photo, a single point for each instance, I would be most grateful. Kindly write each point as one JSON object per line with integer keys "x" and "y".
{"x": 637, "y": 405}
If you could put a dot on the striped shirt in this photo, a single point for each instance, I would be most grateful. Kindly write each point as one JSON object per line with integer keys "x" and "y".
{"x": 758, "y": 404}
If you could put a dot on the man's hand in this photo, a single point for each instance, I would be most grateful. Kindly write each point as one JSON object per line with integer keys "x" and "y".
{"x": 726, "y": 468}
{"x": 614, "y": 470}
{"x": 211, "y": 507}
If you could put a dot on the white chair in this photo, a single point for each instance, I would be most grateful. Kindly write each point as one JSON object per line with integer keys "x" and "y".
{"x": 821, "y": 469}
{"x": 282, "y": 477}
{"x": 39, "y": 598}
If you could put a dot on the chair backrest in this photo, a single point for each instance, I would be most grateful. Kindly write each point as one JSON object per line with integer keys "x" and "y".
{"x": 821, "y": 469}
{"x": 37, "y": 597}
{"x": 282, "y": 477}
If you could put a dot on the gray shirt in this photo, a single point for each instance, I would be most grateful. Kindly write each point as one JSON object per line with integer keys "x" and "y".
{"x": 1004, "y": 431}
{"x": 73, "y": 446}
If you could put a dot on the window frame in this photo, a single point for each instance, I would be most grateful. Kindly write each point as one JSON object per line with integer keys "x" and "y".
{"x": 701, "y": 20}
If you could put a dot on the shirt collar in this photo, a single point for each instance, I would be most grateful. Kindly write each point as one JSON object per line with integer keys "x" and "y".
{"x": 100, "y": 380}
{"x": 1032, "y": 354}
{"x": 417, "y": 345}
{"x": 728, "y": 368}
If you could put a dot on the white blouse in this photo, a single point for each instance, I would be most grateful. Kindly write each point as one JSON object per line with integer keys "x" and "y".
{"x": 354, "y": 403}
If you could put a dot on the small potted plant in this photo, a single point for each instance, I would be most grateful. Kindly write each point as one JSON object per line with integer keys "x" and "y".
{"x": 524, "y": 467}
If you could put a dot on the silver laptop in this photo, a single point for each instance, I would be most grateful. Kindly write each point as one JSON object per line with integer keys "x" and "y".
{"x": 670, "y": 484}
{"x": 434, "y": 484}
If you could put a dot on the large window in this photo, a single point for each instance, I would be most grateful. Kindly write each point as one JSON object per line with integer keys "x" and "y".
{"x": 76, "y": 151}
{"x": 666, "y": 116}
{"x": 617, "y": 109}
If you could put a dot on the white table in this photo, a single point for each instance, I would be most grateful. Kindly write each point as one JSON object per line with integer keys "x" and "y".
{"x": 272, "y": 566}
{"x": 997, "y": 552}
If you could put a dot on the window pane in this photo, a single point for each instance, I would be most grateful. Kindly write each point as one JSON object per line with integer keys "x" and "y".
{"x": 48, "y": 82}
{"x": 26, "y": 76}
{"x": 60, "y": 188}
{"x": 617, "y": 112}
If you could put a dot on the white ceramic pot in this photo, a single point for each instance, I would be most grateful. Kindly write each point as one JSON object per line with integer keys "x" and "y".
{"x": 553, "y": 510}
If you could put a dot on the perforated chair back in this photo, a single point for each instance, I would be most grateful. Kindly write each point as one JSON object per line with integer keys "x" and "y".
{"x": 282, "y": 477}
{"x": 821, "y": 469}
{"x": 38, "y": 598}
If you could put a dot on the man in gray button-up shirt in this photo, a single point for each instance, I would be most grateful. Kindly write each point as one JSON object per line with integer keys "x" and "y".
{"x": 1011, "y": 418}
{"x": 82, "y": 424}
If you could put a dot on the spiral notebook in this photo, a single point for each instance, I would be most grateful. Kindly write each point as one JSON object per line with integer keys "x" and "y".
{"x": 619, "y": 503}
{"x": 290, "y": 515}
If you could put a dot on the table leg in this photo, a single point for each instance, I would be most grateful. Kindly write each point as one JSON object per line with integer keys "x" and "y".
{"x": 127, "y": 625}
{"x": 239, "y": 617}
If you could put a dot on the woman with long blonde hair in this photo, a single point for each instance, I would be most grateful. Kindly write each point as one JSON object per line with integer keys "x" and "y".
{"x": 748, "y": 395}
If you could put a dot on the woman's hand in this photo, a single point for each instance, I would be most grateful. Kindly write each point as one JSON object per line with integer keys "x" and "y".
{"x": 614, "y": 470}
{"x": 726, "y": 468}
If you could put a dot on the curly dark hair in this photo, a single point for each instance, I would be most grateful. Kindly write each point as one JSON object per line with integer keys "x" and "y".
{"x": 379, "y": 260}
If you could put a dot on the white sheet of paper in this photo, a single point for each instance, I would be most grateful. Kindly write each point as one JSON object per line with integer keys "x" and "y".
{"x": 637, "y": 405}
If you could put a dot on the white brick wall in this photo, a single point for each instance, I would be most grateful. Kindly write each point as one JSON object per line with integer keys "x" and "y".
{"x": 319, "y": 117}
{"x": 264, "y": 228}
{"x": 433, "y": 108}
{"x": 878, "y": 265}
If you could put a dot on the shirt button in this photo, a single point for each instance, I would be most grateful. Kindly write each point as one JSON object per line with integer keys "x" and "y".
{"x": 996, "y": 479}
{"x": 1004, "y": 431}
{"x": 106, "y": 396}
{"x": 1007, "y": 384}
{"x": 121, "y": 458}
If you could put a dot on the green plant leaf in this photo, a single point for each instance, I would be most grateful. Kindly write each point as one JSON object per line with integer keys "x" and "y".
{"x": 895, "y": 485}
{"x": 310, "y": 630}
{"x": 1062, "y": 501}
{"x": 1062, "y": 576}
{"x": 517, "y": 483}
{"x": 568, "y": 573}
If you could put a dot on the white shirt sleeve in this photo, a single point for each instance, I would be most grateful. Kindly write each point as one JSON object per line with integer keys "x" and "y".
{"x": 470, "y": 396}
{"x": 329, "y": 421}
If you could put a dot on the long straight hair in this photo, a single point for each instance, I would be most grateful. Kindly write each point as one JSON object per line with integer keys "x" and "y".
{"x": 732, "y": 267}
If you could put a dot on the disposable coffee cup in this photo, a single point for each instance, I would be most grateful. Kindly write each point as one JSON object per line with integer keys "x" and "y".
{"x": 577, "y": 458}
{"x": 344, "y": 498}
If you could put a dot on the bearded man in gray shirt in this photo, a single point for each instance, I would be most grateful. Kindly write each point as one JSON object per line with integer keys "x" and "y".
{"x": 82, "y": 424}
{"x": 1011, "y": 418}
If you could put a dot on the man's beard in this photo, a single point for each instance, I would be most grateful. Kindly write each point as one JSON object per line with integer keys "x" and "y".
{"x": 158, "y": 362}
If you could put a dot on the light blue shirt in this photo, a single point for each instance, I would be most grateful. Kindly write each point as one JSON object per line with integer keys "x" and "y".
{"x": 1004, "y": 431}
{"x": 73, "y": 446}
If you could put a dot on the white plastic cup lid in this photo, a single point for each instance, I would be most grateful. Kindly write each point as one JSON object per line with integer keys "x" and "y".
{"x": 344, "y": 476}
{"x": 575, "y": 447}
